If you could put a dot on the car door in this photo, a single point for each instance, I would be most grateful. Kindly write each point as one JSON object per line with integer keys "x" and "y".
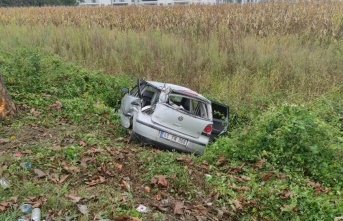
{"x": 130, "y": 100}
{"x": 220, "y": 119}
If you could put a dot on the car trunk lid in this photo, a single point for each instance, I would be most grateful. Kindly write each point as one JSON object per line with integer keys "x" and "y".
{"x": 179, "y": 120}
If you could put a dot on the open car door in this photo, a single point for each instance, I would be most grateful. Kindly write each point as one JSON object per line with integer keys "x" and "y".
{"x": 220, "y": 119}
{"x": 130, "y": 99}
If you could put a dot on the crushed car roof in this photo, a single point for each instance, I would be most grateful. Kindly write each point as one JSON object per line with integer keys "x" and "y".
{"x": 178, "y": 89}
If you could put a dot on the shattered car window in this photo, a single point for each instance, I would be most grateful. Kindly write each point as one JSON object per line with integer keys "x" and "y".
{"x": 150, "y": 96}
{"x": 189, "y": 105}
{"x": 201, "y": 109}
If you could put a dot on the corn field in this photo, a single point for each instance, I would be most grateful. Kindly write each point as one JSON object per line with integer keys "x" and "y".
{"x": 275, "y": 50}
{"x": 320, "y": 19}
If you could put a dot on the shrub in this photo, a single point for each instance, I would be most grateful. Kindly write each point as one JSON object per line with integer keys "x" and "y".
{"x": 329, "y": 107}
{"x": 291, "y": 138}
{"x": 33, "y": 71}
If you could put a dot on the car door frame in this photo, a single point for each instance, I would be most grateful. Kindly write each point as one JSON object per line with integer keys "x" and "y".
{"x": 129, "y": 102}
{"x": 216, "y": 130}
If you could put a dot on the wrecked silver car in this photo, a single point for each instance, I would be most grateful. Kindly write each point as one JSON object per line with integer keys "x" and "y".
{"x": 171, "y": 116}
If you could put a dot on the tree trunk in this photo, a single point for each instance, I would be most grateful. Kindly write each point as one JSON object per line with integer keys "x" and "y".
{"x": 7, "y": 107}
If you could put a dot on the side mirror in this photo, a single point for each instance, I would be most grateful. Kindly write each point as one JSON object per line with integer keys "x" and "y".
{"x": 125, "y": 89}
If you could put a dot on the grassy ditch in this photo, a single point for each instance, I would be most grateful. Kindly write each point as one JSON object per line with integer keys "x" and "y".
{"x": 278, "y": 67}
{"x": 66, "y": 148}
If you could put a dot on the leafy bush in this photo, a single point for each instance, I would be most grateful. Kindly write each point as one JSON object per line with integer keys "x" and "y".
{"x": 32, "y": 71}
{"x": 330, "y": 108}
{"x": 291, "y": 138}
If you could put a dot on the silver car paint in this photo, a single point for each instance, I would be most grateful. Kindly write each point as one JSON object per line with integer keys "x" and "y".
{"x": 179, "y": 120}
{"x": 167, "y": 118}
{"x": 144, "y": 128}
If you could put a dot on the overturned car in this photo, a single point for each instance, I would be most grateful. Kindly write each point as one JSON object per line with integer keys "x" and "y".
{"x": 171, "y": 116}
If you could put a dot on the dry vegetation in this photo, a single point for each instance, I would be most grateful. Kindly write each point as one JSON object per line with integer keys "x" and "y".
{"x": 315, "y": 19}
{"x": 234, "y": 51}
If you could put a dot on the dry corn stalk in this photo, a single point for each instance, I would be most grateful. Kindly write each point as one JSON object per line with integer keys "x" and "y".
{"x": 315, "y": 19}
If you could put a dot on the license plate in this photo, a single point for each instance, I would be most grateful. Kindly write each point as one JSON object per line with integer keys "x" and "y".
{"x": 173, "y": 138}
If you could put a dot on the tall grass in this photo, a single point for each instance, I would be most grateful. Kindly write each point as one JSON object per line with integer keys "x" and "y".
{"x": 255, "y": 52}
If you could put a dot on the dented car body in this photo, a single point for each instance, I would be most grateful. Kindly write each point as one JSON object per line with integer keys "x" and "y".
{"x": 171, "y": 116}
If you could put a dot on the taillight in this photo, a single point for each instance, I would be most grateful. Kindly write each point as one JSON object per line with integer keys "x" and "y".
{"x": 208, "y": 129}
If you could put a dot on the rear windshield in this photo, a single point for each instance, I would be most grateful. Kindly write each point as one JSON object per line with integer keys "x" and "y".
{"x": 189, "y": 105}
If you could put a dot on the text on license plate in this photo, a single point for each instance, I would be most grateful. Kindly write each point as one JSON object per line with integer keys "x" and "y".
{"x": 173, "y": 138}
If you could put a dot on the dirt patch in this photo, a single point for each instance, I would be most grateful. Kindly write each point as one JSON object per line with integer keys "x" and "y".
{"x": 100, "y": 168}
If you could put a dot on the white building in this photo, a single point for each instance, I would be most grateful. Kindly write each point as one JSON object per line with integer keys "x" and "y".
{"x": 156, "y": 2}
{"x": 94, "y": 2}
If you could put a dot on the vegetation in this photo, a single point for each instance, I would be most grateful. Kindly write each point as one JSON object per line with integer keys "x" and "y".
{"x": 277, "y": 65}
{"x": 20, "y": 3}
